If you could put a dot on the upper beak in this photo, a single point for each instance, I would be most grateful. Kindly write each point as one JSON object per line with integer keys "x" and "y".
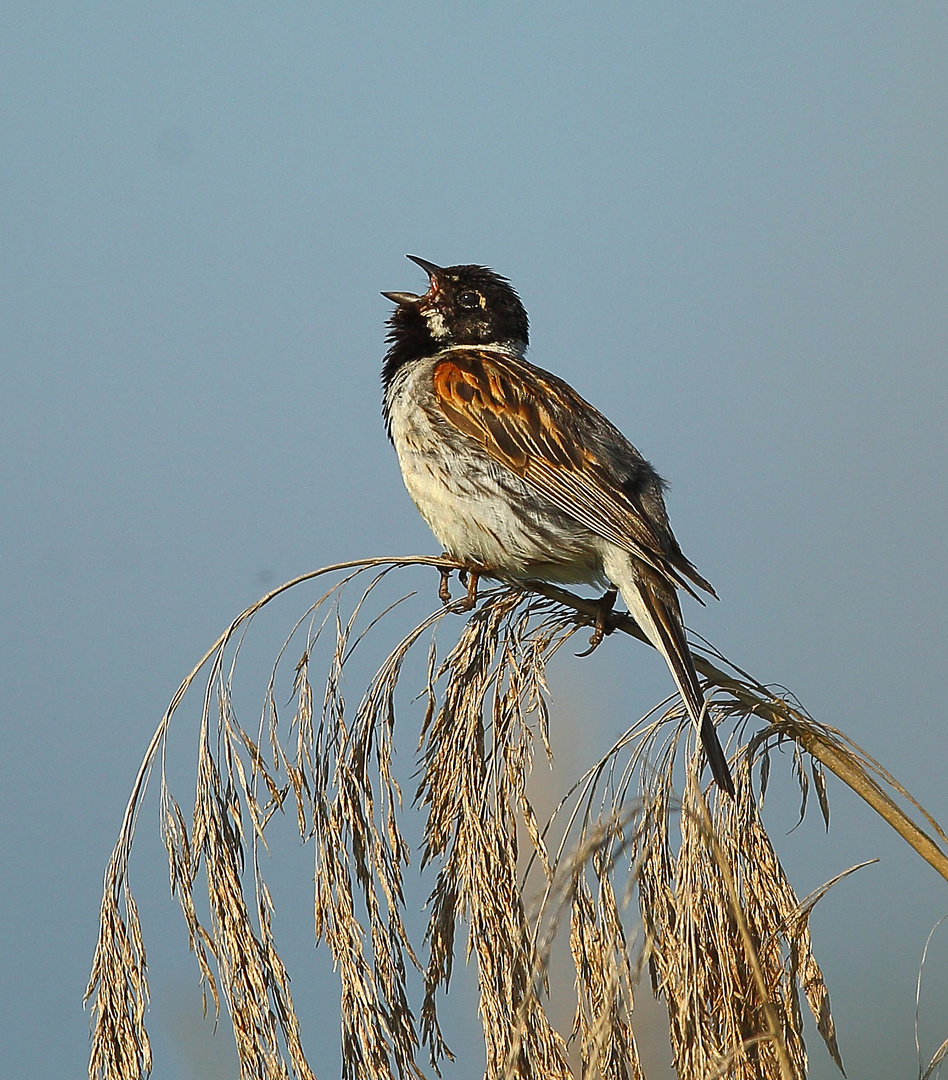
{"x": 430, "y": 268}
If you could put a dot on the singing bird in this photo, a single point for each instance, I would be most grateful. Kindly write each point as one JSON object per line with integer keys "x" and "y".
{"x": 519, "y": 477}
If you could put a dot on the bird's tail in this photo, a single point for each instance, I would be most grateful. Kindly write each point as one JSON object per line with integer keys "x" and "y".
{"x": 655, "y": 608}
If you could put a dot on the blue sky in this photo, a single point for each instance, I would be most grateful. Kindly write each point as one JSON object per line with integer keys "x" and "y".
{"x": 729, "y": 227}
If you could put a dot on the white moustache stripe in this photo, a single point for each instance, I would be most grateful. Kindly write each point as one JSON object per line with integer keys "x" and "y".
{"x": 436, "y": 325}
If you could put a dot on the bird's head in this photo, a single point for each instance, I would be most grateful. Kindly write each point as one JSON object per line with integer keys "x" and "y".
{"x": 464, "y": 305}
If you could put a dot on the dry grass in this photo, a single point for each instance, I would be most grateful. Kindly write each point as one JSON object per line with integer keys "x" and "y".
{"x": 726, "y": 940}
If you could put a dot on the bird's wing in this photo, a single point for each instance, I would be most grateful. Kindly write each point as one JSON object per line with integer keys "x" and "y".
{"x": 537, "y": 426}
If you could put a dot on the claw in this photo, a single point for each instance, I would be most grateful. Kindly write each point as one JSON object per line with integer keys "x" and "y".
{"x": 601, "y": 627}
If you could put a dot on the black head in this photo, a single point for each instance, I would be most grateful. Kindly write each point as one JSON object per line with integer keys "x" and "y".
{"x": 464, "y": 305}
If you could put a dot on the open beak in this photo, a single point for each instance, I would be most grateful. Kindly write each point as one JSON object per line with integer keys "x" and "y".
{"x": 430, "y": 268}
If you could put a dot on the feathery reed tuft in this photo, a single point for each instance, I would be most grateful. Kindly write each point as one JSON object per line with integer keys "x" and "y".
{"x": 725, "y": 939}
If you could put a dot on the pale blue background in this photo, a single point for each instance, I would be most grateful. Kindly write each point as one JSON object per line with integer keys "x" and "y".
{"x": 729, "y": 226}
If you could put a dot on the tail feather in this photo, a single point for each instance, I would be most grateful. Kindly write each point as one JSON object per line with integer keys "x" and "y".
{"x": 656, "y": 610}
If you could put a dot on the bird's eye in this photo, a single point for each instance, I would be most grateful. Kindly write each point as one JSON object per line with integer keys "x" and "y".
{"x": 469, "y": 300}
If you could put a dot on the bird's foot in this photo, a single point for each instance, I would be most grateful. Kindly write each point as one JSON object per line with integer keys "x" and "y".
{"x": 601, "y": 626}
{"x": 469, "y": 578}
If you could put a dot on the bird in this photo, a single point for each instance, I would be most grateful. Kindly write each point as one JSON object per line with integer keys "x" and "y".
{"x": 520, "y": 478}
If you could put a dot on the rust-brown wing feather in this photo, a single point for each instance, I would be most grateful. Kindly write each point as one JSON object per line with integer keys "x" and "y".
{"x": 537, "y": 426}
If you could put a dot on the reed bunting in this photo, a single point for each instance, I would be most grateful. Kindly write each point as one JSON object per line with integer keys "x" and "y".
{"x": 518, "y": 477}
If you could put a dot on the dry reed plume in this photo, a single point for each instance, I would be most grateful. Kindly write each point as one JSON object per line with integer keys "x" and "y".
{"x": 725, "y": 938}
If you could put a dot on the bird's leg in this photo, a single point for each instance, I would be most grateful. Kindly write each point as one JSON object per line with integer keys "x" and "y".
{"x": 470, "y": 578}
{"x": 444, "y": 592}
{"x": 601, "y": 627}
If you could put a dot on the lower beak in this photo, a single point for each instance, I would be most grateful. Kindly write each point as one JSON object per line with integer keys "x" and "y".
{"x": 401, "y": 297}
